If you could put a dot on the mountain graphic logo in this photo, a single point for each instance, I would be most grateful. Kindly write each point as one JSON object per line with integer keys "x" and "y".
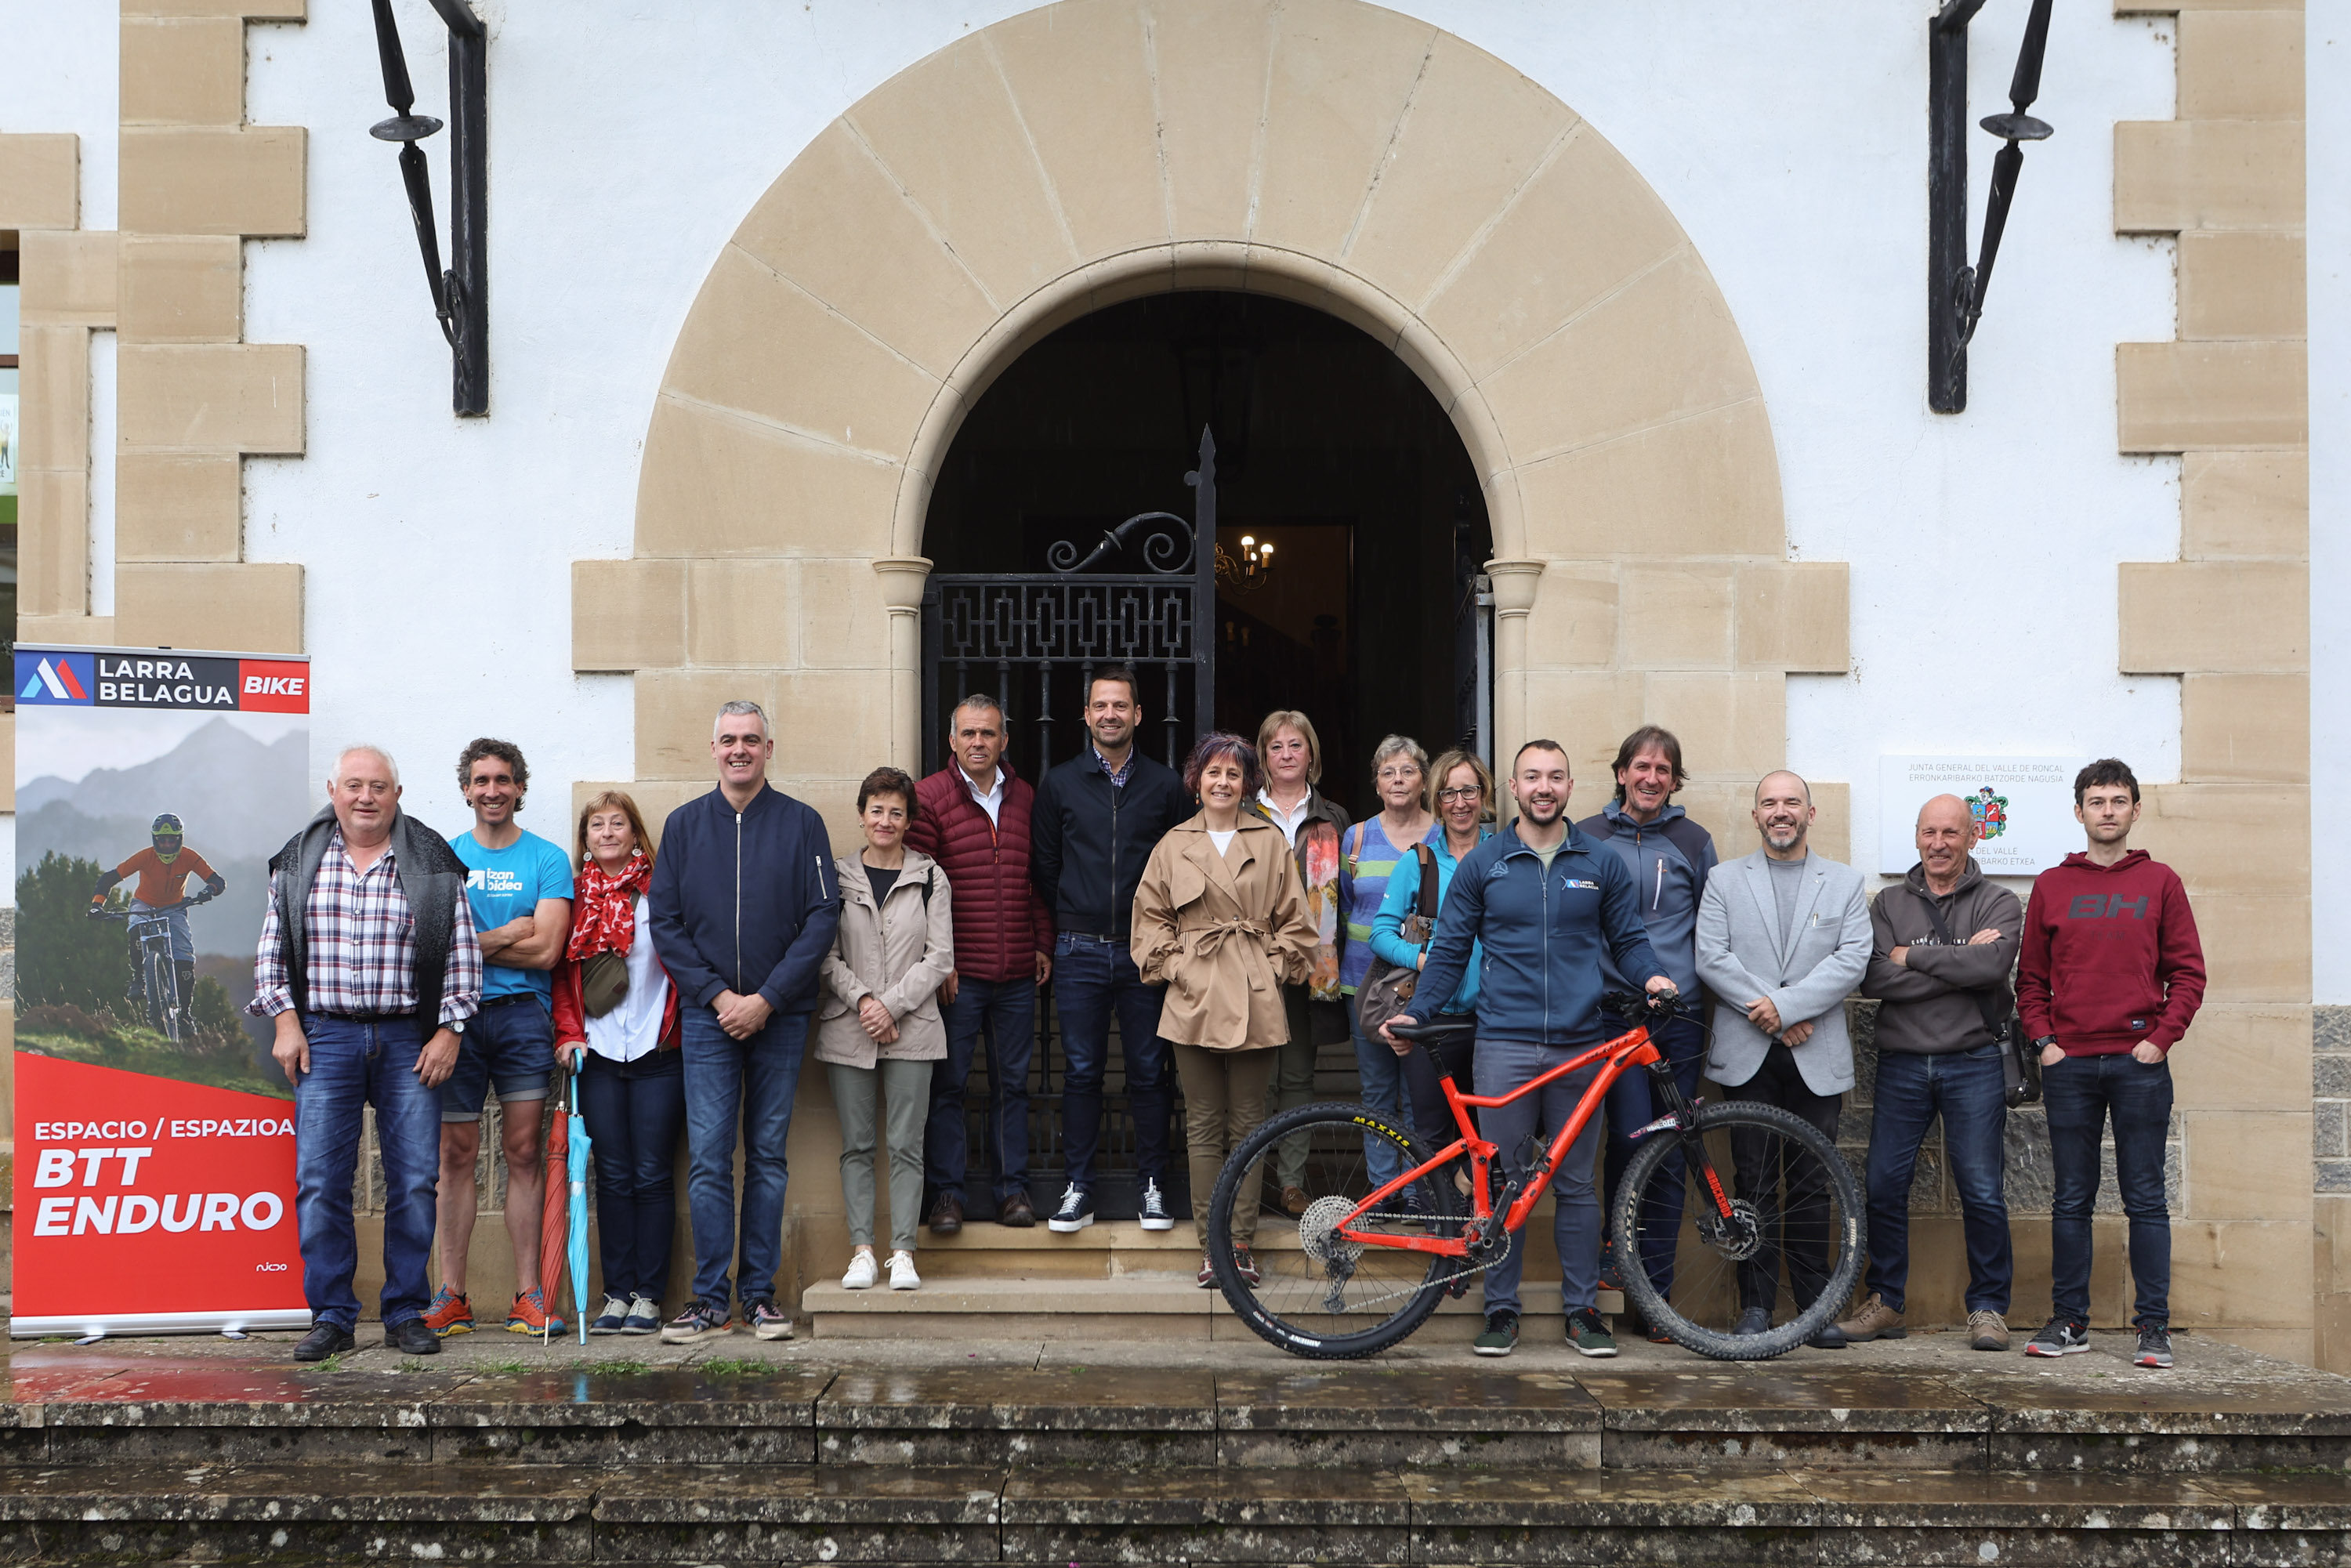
{"x": 54, "y": 679}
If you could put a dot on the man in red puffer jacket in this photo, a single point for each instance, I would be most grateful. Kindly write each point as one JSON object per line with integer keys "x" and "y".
{"x": 2110, "y": 976}
{"x": 974, "y": 822}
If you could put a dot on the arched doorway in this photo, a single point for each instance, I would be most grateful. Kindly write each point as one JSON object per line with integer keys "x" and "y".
{"x": 1327, "y": 448}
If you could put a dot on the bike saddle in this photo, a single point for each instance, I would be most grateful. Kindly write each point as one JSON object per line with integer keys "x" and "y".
{"x": 1437, "y": 1031}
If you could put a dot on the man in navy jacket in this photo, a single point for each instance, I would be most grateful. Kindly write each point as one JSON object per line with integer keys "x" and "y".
{"x": 1547, "y": 903}
{"x": 744, "y": 908}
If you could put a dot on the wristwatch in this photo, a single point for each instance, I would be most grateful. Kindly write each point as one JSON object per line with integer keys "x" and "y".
{"x": 456, "y": 1026}
{"x": 2044, "y": 1042}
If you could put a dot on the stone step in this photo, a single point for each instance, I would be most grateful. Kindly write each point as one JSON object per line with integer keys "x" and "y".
{"x": 874, "y": 1514}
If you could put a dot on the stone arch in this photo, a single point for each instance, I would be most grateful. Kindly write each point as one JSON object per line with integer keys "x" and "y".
{"x": 1326, "y": 151}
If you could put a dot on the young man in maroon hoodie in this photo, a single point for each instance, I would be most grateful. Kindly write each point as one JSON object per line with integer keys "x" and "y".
{"x": 2110, "y": 976}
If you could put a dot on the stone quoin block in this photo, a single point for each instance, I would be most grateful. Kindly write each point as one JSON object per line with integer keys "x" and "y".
{"x": 628, "y": 614}
{"x": 2171, "y": 175}
{"x": 212, "y": 397}
{"x": 2256, "y": 947}
{"x": 178, "y": 506}
{"x": 2247, "y": 1164}
{"x": 255, "y": 605}
{"x": 1795, "y": 617}
{"x": 67, "y": 277}
{"x": 2244, "y": 729}
{"x": 2222, "y": 837}
{"x": 40, "y": 180}
{"x": 53, "y": 382}
{"x": 1706, "y": 486}
{"x": 1735, "y": 724}
{"x": 2226, "y": 617}
{"x": 1573, "y": 623}
{"x": 181, "y": 289}
{"x": 205, "y": 180}
{"x": 53, "y": 544}
{"x": 2247, "y": 1273}
{"x": 183, "y": 70}
{"x": 844, "y": 623}
{"x": 2242, "y": 285}
{"x": 252, "y": 10}
{"x": 2241, "y": 65}
{"x": 716, "y": 483}
{"x": 744, "y": 613}
{"x": 2173, "y": 396}
{"x": 2244, "y": 504}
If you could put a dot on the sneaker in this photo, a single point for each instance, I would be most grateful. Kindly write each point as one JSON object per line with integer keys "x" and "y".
{"x": 1501, "y": 1335}
{"x": 1245, "y": 1265}
{"x": 1610, "y": 1278}
{"x": 1076, "y": 1211}
{"x": 1155, "y": 1211}
{"x": 529, "y": 1314}
{"x": 1875, "y": 1321}
{"x": 608, "y": 1321}
{"x": 2154, "y": 1345}
{"x": 696, "y": 1323}
{"x": 644, "y": 1316}
{"x": 2060, "y": 1338}
{"x": 1588, "y": 1335}
{"x": 861, "y": 1273}
{"x": 766, "y": 1322}
{"x": 902, "y": 1272}
{"x": 1208, "y": 1276}
{"x": 1753, "y": 1321}
{"x": 1987, "y": 1330}
{"x": 450, "y": 1314}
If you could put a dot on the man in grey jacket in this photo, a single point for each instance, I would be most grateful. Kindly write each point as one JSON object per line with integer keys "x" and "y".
{"x": 1782, "y": 937}
{"x": 1942, "y": 947}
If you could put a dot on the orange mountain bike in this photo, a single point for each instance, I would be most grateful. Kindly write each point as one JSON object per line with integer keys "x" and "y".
{"x": 1768, "y": 1238}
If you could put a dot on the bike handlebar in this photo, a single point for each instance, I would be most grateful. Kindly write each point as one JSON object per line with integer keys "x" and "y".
{"x": 100, "y": 912}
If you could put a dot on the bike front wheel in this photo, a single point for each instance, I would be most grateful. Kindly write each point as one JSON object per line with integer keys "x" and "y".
{"x": 1319, "y": 1294}
{"x": 1752, "y": 1210}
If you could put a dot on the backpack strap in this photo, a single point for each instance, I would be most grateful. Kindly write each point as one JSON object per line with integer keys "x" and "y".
{"x": 1425, "y": 906}
{"x": 1987, "y": 998}
{"x": 1355, "y": 854}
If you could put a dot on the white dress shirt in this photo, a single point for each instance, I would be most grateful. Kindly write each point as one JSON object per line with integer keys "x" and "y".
{"x": 1288, "y": 822}
{"x": 990, "y": 800}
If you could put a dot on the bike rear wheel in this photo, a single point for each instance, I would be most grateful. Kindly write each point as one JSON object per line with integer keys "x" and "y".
{"x": 1319, "y": 1295}
{"x": 1794, "y": 1242}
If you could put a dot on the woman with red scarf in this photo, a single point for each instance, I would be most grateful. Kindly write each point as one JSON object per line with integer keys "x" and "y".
{"x": 616, "y": 1027}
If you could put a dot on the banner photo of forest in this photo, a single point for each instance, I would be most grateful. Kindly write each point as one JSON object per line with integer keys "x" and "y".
{"x": 100, "y": 977}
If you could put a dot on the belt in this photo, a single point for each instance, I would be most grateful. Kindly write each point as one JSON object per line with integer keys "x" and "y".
{"x": 362, "y": 1017}
{"x": 510, "y": 998}
{"x": 1090, "y": 936}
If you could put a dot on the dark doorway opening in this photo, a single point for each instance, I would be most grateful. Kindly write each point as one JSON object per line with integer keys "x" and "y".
{"x": 1327, "y": 447}
{"x": 1368, "y": 614}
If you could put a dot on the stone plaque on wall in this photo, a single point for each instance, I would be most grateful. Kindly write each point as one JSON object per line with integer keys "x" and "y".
{"x": 2023, "y": 808}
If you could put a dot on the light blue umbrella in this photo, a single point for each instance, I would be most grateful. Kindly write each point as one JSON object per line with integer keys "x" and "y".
{"x": 576, "y": 1167}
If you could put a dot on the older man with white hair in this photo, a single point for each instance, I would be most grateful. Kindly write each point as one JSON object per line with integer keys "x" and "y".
{"x": 368, "y": 963}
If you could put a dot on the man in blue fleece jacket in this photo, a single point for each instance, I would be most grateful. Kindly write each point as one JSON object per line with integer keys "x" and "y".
{"x": 744, "y": 908}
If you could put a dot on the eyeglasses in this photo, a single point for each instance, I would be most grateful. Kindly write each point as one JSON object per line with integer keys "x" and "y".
{"x": 1461, "y": 792}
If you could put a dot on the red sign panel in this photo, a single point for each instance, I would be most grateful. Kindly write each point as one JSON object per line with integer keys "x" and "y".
{"x": 272, "y": 685}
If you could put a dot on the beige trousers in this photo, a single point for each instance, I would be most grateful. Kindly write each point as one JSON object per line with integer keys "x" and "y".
{"x": 1223, "y": 1101}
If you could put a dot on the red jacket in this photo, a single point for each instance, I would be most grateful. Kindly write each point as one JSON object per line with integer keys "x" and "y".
{"x": 1000, "y": 923}
{"x": 571, "y": 1018}
{"x": 2110, "y": 957}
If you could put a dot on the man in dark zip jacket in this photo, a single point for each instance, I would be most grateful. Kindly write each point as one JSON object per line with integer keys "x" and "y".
{"x": 743, "y": 909}
{"x": 1098, "y": 817}
{"x": 1546, "y": 902}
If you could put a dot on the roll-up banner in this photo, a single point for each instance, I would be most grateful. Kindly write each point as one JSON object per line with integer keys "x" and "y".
{"x": 154, "y": 1157}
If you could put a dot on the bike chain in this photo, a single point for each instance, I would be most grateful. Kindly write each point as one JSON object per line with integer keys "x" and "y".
{"x": 1509, "y": 1240}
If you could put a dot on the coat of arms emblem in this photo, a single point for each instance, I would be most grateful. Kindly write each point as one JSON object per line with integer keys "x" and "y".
{"x": 1991, "y": 813}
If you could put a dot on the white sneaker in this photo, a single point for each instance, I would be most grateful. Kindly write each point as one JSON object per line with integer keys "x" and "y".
{"x": 1154, "y": 1209}
{"x": 902, "y": 1272}
{"x": 862, "y": 1273}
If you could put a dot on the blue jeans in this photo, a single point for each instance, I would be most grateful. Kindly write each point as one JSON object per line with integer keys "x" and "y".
{"x": 2081, "y": 1093}
{"x": 510, "y": 1043}
{"x": 1507, "y": 1064}
{"x": 1004, "y": 1014}
{"x": 1380, "y": 1071}
{"x": 1683, "y": 1042}
{"x": 754, "y": 1079}
{"x": 1092, "y": 979}
{"x": 354, "y": 1065}
{"x": 634, "y": 1111}
{"x": 1965, "y": 1087}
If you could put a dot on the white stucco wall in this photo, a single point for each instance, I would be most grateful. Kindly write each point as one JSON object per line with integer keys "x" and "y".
{"x": 627, "y": 143}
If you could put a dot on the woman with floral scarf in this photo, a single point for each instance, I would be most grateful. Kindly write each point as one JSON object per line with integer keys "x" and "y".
{"x": 616, "y": 1027}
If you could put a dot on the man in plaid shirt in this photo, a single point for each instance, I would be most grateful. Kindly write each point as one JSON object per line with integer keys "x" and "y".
{"x": 370, "y": 976}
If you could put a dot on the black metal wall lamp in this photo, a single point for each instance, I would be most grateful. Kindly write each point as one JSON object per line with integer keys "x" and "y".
{"x": 461, "y": 295}
{"x": 1955, "y": 291}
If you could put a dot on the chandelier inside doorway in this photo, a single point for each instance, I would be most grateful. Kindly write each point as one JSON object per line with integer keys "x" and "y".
{"x": 1245, "y": 573}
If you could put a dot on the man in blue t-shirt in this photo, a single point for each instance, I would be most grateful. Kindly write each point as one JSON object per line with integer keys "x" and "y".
{"x": 519, "y": 889}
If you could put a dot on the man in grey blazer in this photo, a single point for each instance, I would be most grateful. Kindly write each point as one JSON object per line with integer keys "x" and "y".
{"x": 1782, "y": 935}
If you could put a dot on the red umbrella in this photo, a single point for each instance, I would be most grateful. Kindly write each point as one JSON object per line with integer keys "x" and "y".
{"x": 555, "y": 1210}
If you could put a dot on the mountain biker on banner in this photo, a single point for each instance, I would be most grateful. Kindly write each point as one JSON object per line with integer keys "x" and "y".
{"x": 162, "y": 869}
{"x": 1544, "y": 899}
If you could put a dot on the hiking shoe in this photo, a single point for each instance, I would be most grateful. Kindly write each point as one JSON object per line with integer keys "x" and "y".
{"x": 1610, "y": 1278}
{"x": 1016, "y": 1211}
{"x": 1154, "y": 1215}
{"x": 608, "y": 1321}
{"x": 1501, "y": 1335}
{"x": 450, "y": 1314}
{"x": 2154, "y": 1345}
{"x": 2059, "y": 1338}
{"x": 766, "y": 1322}
{"x": 644, "y": 1316}
{"x": 1987, "y": 1330}
{"x": 1588, "y": 1335}
{"x": 1245, "y": 1265}
{"x": 529, "y": 1314}
{"x": 1875, "y": 1321}
{"x": 946, "y": 1214}
{"x": 1753, "y": 1321}
{"x": 698, "y": 1321}
{"x": 863, "y": 1273}
{"x": 326, "y": 1340}
{"x": 1075, "y": 1212}
{"x": 902, "y": 1272}
{"x": 1208, "y": 1276}
{"x": 409, "y": 1336}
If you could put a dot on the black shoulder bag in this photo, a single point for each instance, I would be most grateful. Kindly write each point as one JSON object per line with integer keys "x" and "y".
{"x": 2017, "y": 1088}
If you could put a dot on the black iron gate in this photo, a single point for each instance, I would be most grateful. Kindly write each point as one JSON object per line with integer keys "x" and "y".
{"x": 1033, "y": 640}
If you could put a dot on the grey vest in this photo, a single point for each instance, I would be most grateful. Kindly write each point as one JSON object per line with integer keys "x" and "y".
{"x": 432, "y": 878}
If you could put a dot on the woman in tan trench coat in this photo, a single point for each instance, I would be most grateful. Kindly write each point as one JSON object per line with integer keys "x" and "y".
{"x": 1221, "y": 920}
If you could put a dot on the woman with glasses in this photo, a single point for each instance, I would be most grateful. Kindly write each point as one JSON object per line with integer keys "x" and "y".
{"x": 1369, "y": 853}
{"x": 1462, "y": 790}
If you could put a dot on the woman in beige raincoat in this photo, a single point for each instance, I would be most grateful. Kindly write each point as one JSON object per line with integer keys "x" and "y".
{"x": 1221, "y": 920}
